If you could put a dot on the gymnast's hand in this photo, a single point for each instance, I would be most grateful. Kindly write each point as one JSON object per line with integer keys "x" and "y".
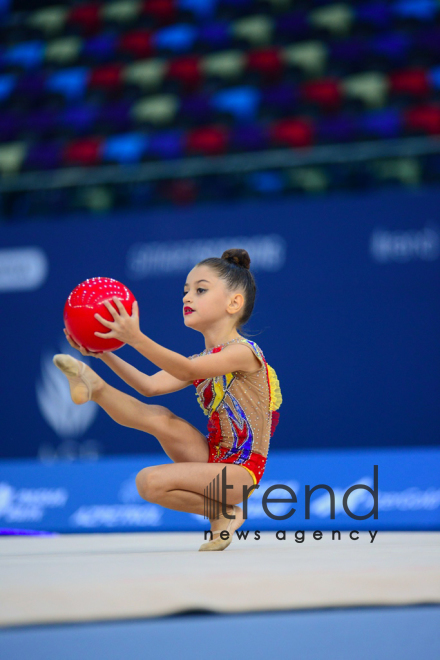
{"x": 79, "y": 348}
{"x": 123, "y": 327}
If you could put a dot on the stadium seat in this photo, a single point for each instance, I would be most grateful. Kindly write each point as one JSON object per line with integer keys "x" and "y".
{"x": 207, "y": 141}
{"x": 71, "y": 83}
{"x": 50, "y": 20}
{"x": 167, "y": 144}
{"x": 64, "y": 50}
{"x": 86, "y": 16}
{"x": 86, "y": 151}
{"x": 249, "y": 137}
{"x": 100, "y": 47}
{"x": 116, "y": 116}
{"x": 28, "y": 55}
{"x": 126, "y": 81}
{"x": 176, "y": 38}
{"x": 138, "y": 43}
{"x": 241, "y": 102}
{"x": 227, "y": 65}
{"x": 424, "y": 119}
{"x": 79, "y": 118}
{"x": 107, "y": 76}
{"x": 386, "y": 123}
{"x": 196, "y": 107}
{"x": 185, "y": 70}
{"x": 146, "y": 74}
{"x": 293, "y": 133}
{"x": 11, "y": 157}
{"x": 414, "y": 82}
{"x": 7, "y": 84}
{"x": 127, "y": 148}
{"x": 309, "y": 56}
{"x": 155, "y": 110}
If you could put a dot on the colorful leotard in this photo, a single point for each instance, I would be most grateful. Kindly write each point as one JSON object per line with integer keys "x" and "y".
{"x": 242, "y": 412}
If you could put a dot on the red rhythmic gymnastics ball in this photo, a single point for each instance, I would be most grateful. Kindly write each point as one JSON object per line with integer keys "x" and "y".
{"x": 86, "y": 300}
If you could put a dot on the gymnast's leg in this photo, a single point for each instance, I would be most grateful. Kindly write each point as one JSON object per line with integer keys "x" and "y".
{"x": 180, "y": 440}
{"x": 182, "y": 487}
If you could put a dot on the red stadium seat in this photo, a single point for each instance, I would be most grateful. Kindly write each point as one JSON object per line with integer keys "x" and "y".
{"x": 209, "y": 141}
{"x": 87, "y": 16}
{"x": 292, "y": 132}
{"x": 414, "y": 82}
{"x": 83, "y": 152}
{"x": 137, "y": 42}
{"x": 186, "y": 70}
{"x": 106, "y": 77}
{"x": 424, "y": 118}
{"x": 268, "y": 62}
{"x": 164, "y": 11}
{"x": 325, "y": 93}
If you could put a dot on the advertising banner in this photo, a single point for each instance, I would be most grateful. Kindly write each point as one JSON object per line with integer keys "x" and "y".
{"x": 101, "y": 496}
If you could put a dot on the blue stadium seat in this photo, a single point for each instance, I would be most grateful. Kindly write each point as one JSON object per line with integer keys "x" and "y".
{"x": 69, "y": 82}
{"x": 377, "y": 14}
{"x": 423, "y": 10}
{"x": 392, "y": 45}
{"x": 382, "y": 123}
{"x": 7, "y": 84}
{"x": 28, "y": 54}
{"x": 79, "y": 117}
{"x": 128, "y": 148}
{"x": 241, "y": 102}
{"x": 167, "y": 144}
{"x": 249, "y": 137}
{"x": 200, "y": 8}
{"x": 434, "y": 76}
{"x": 176, "y": 38}
{"x": 100, "y": 47}
{"x": 215, "y": 34}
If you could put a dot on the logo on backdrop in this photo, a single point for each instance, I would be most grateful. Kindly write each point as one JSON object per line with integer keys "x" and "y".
{"x": 268, "y": 252}
{"x": 19, "y": 505}
{"x": 68, "y": 420}
{"x": 22, "y": 269}
{"x": 402, "y": 246}
{"x": 132, "y": 511}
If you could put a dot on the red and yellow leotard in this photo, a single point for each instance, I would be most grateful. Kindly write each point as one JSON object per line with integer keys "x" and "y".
{"x": 242, "y": 412}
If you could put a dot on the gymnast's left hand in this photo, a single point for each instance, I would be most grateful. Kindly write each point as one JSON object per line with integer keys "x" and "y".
{"x": 123, "y": 327}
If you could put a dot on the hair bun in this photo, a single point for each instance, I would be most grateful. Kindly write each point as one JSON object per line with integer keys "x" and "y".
{"x": 238, "y": 257}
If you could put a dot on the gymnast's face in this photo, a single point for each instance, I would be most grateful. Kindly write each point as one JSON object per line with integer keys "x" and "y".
{"x": 207, "y": 300}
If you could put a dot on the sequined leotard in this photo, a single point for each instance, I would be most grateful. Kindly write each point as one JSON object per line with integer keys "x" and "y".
{"x": 242, "y": 412}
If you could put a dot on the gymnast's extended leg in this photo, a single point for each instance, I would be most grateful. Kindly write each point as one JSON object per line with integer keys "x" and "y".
{"x": 180, "y": 440}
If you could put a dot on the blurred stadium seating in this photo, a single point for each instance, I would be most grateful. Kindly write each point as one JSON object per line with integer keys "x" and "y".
{"x": 126, "y": 94}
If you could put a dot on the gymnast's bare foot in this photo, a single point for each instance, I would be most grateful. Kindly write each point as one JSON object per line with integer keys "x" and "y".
{"x": 83, "y": 381}
{"x": 224, "y": 524}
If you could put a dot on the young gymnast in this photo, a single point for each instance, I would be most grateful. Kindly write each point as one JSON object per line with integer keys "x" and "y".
{"x": 234, "y": 386}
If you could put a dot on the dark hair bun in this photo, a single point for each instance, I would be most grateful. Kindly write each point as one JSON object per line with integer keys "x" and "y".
{"x": 238, "y": 257}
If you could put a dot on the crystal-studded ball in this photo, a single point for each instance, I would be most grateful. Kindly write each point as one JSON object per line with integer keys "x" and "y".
{"x": 86, "y": 300}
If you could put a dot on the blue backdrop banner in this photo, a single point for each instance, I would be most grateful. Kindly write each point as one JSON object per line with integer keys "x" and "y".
{"x": 101, "y": 496}
{"x": 348, "y": 314}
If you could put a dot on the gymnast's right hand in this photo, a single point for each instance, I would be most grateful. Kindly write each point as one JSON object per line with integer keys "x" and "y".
{"x": 79, "y": 348}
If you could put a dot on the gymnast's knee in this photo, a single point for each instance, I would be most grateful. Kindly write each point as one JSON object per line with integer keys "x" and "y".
{"x": 148, "y": 484}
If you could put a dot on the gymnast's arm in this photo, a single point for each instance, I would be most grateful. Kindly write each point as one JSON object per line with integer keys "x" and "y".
{"x": 160, "y": 383}
{"x": 155, "y": 385}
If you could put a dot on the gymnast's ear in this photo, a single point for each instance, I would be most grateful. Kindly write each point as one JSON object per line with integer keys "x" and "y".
{"x": 236, "y": 302}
